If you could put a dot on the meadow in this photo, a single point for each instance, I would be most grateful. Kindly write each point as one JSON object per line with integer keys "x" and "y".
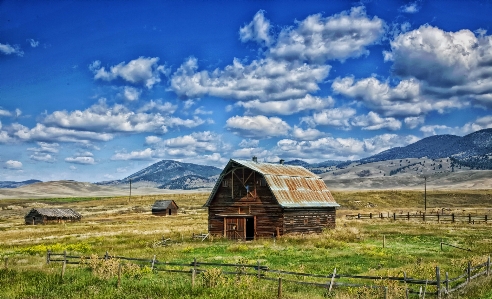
{"x": 124, "y": 226}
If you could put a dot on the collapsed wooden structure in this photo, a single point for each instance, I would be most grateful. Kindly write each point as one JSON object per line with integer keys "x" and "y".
{"x": 164, "y": 208}
{"x": 51, "y": 215}
{"x": 253, "y": 199}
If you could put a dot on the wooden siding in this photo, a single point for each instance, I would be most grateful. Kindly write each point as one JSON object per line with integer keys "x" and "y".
{"x": 308, "y": 220}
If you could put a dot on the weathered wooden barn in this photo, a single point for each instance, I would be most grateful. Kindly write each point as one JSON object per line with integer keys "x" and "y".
{"x": 164, "y": 208}
{"x": 51, "y": 215}
{"x": 253, "y": 199}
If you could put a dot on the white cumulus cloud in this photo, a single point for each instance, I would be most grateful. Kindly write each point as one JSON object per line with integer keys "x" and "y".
{"x": 257, "y": 127}
{"x": 287, "y": 107}
{"x": 257, "y": 30}
{"x": 12, "y": 164}
{"x": 143, "y": 70}
{"x": 8, "y": 49}
{"x": 319, "y": 39}
{"x": 263, "y": 80}
{"x": 372, "y": 121}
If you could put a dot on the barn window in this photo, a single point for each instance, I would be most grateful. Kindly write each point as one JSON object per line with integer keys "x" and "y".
{"x": 305, "y": 221}
{"x": 263, "y": 182}
{"x": 225, "y": 183}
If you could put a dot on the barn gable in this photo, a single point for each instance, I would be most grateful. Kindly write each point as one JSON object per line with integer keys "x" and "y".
{"x": 292, "y": 186}
{"x": 253, "y": 199}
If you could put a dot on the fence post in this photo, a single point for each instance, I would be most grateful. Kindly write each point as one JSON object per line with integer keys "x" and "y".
{"x": 358, "y": 215}
{"x": 423, "y": 216}
{"x": 486, "y": 218}
{"x": 394, "y": 216}
{"x": 370, "y": 215}
{"x": 332, "y": 280}
{"x": 153, "y": 263}
{"x": 385, "y": 292}
{"x": 408, "y": 216}
{"x": 468, "y": 272}
{"x": 48, "y": 256}
{"x": 194, "y": 264}
{"x": 447, "y": 283}
{"x": 469, "y": 218}
{"x": 279, "y": 291}
{"x": 438, "y": 218}
{"x": 452, "y": 217}
{"x": 193, "y": 274}
{"x": 119, "y": 275}
{"x": 425, "y": 288}
{"x": 106, "y": 256}
{"x": 258, "y": 264}
{"x": 438, "y": 282}
{"x": 64, "y": 264}
{"x": 488, "y": 266}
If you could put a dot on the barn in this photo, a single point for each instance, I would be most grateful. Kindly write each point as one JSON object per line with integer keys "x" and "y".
{"x": 51, "y": 215}
{"x": 164, "y": 208}
{"x": 254, "y": 199}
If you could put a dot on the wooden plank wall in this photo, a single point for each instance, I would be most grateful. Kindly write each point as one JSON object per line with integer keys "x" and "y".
{"x": 312, "y": 220}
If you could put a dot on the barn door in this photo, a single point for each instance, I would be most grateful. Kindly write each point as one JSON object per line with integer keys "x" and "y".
{"x": 235, "y": 228}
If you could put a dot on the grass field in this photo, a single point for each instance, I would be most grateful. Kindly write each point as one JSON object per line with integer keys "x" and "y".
{"x": 125, "y": 227}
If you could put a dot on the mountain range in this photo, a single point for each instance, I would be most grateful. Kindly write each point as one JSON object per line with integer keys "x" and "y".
{"x": 473, "y": 151}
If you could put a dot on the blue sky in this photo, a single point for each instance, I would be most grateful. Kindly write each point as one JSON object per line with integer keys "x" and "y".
{"x": 96, "y": 90}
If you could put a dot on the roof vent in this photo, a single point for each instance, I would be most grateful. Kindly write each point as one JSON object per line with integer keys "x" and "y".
{"x": 282, "y": 161}
{"x": 255, "y": 159}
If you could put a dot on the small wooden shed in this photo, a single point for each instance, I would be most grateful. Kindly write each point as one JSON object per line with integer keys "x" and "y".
{"x": 253, "y": 199}
{"x": 51, "y": 215}
{"x": 165, "y": 208}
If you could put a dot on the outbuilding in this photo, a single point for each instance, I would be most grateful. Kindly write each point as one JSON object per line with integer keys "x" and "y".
{"x": 165, "y": 208}
{"x": 254, "y": 199}
{"x": 51, "y": 215}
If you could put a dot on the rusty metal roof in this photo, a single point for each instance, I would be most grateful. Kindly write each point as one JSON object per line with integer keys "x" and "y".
{"x": 53, "y": 212}
{"x": 292, "y": 186}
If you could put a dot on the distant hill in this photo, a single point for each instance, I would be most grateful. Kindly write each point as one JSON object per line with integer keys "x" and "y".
{"x": 171, "y": 174}
{"x": 11, "y": 184}
{"x": 441, "y": 146}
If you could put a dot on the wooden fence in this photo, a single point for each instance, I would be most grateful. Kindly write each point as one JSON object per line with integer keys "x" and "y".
{"x": 472, "y": 219}
{"x": 439, "y": 285}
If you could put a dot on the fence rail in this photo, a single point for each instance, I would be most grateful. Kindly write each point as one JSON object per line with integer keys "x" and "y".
{"x": 472, "y": 219}
{"x": 446, "y": 286}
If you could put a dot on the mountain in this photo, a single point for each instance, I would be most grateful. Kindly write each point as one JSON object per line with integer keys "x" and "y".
{"x": 171, "y": 174}
{"x": 444, "y": 153}
{"x": 440, "y": 146}
{"x": 11, "y": 184}
{"x": 190, "y": 182}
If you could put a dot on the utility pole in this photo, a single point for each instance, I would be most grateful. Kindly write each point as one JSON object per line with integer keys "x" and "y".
{"x": 130, "y": 191}
{"x": 425, "y": 193}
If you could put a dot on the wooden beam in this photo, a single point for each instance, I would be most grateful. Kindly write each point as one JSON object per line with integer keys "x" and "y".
{"x": 225, "y": 227}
